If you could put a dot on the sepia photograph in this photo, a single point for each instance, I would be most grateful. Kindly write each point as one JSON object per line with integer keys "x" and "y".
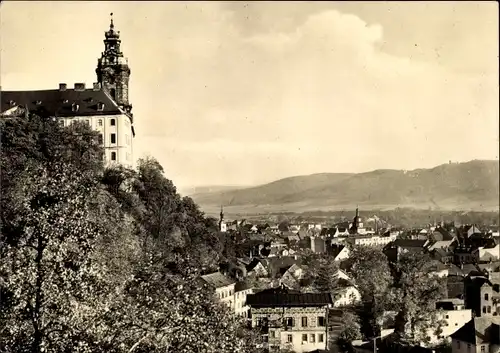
{"x": 249, "y": 177}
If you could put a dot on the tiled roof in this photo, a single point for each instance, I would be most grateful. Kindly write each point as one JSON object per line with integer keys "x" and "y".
{"x": 278, "y": 297}
{"x": 479, "y": 330}
{"x": 59, "y": 103}
{"x": 217, "y": 280}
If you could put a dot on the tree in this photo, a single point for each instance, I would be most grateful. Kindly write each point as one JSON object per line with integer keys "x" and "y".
{"x": 418, "y": 289}
{"x": 370, "y": 271}
{"x": 54, "y": 284}
{"x": 351, "y": 331}
{"x": 321, "y": 271}
{"x": 166, "y": 312}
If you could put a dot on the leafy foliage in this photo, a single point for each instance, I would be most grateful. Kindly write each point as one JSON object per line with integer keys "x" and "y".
{"x": 370, "y": 270}
{"x": 101, "y": 259}
{"x": 351, "y": 331}
{"x": 417, "y": 289}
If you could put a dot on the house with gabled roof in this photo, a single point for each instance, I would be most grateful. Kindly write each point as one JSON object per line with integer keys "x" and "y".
{"x": 479, "y": 335}
{"x": 288, "y": 319}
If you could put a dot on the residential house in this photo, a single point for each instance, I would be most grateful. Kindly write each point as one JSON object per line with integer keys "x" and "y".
{"x": 482, "y": 296}
{"x": 257, "y": 269}
{"x": 346, "y": 293}
{"x": 398, "y": 247}
{"x": 338, "y": 251}
{"x": 488, "y": 254}
{"x": 241, "y": 291}
{"x": 290, "y": 319}
{"x": 370, "y": 240}
{"x": 453, "y": 315}
{"x": 479, "y": 335}
{"x": 223, "y": 286}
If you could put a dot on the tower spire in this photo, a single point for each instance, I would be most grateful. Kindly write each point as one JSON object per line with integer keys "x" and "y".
{"x": 111, "y": 25}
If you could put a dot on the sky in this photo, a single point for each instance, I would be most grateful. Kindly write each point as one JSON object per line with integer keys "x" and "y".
{"x": 243, "y": 93}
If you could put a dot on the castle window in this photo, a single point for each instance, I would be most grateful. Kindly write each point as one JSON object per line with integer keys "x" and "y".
{"x": 112, "y": 122}
{"x": 75, "y": 107}
{"x": 289, "y": 338}
{"x": 304, "y": 337}
{"x": 88, "y": 122}
{"x": 489, "y": 309}
{"x": 113, "y": 156}
{"x": 100, "y": 106}
{"x": 312, "y": 338}
{"x": 113, "y": 138}
{"x": 486, "y": 296}
{"x": 484, "y": 310}
{"x": 100, "y": 139}
{"x": 321, "y": 338}
{"x": 483, "y": 349}
{"x": 99, "y": 122}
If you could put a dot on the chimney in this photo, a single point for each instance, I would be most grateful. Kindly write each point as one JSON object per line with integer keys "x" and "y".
{"x": 62, "y": 87}
{"x": 97, "y": 86}
{"x": 79, "y": 86}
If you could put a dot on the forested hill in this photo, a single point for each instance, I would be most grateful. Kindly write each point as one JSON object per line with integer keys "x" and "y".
{"x": 469, "y": 185}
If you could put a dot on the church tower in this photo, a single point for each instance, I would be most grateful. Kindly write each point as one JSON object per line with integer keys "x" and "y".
{"x": 113, "y": 72}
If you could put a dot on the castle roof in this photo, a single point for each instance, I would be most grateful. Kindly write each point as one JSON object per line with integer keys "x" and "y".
{"x": 59, "y": 103}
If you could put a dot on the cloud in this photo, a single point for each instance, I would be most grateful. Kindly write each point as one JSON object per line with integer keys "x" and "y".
{"x": 278, "y": 90}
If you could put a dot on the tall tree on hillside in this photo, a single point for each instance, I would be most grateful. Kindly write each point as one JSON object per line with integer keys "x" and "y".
{"x": 47, "y": 269}
{"x": 418, "y": 289}
{"x": 370, "y": 271}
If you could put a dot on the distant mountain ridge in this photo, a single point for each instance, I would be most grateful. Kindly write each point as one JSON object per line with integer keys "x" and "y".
{"x": 468, "y": 185}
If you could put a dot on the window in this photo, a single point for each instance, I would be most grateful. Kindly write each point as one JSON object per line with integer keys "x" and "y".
{"x": 484, "y": 310}
{"x": 321, "y": 338}
{"x": 100, "y": 106}
{"x": 447, "y": 316}
{"x": 74, "y": 107}
{"x": 486, "y": 296}
{"x": 113, "y": 156}
{"x": 100, "y": 139}
{"x": 483, "y": 349}
{"x": 113, "y": 138}
{"x": 112, "y": 122}
{"x": 272, "y": 334}
{"x": 61, "y": 122}
{"x": 99, "y": 122}
{"x": 321, "y": 321}
{"x": 304, "y": 338}
{"x": 289, "y": 338}
{"x": 88, "y": 122}
{"x": 304, "y": 321}
{"x": 289, "y": 321}
{"x": 312, "y": 338}
{"x": 489, "y": 309}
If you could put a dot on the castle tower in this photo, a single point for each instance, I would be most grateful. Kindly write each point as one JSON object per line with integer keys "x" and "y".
{"x": 113, "y": 72}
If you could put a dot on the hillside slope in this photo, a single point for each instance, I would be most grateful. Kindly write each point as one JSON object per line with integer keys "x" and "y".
{"x": 469, "y": 185}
